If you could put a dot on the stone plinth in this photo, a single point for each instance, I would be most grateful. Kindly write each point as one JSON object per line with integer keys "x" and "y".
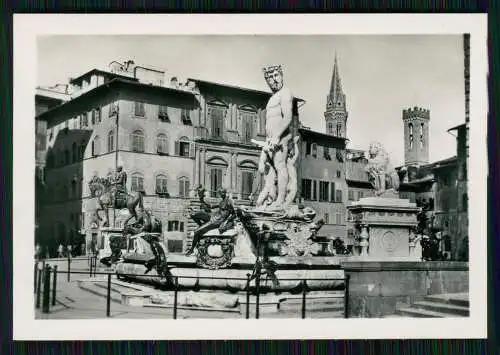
{"x": 377, "y": 289}
{"x": 384, "y": 229}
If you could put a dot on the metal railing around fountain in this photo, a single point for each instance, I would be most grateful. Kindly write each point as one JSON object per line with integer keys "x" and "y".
{"x": 45, "y": 286}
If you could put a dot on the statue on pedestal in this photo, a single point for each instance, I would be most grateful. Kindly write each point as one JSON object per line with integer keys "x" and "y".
{"x": 382, "y": 176}
{"x": 112, "y": 193}
{"x": 274, "y": 154}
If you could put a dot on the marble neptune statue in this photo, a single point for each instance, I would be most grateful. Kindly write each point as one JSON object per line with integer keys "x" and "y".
{"x": 279, "y": 151}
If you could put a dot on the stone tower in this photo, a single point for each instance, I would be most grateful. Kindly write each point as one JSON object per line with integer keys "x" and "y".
{"x": 336, "y": 111}
{"x": 416, "y": 133}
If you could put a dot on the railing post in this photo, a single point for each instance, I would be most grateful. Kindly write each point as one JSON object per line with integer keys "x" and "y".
{"x": 89, "y": 262}
{"x": 247, "y": 314}
{"x": 108, "y": 297}
{"x": 54, "y": 286}
{"x": 39, "y": 288}
{"x": 36, "y": 275}
{"x": 176, "y": 289}
{"x": 69, "y": 268}
{"x": 257, "y": 296}
{"x": 304, "y": 289}
{"x": 95, "y": 265}
{"x": 46, "y": 290}
{"x": 346, "y": 297}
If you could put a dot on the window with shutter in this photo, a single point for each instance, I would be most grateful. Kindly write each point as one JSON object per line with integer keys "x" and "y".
{"x": 215, "y": 181}
{"x": 97, "y": 114}
{"x": 137, "y": 182}
{"x": 163, "y": 114}
{"x": 326, "y": 153}
{"x": 217, "y": 116}
{"x": 161, "y": 184}
{"x": 137, "y": 139}
{"x": 162, "y": 144}
{"x": 111, "y": 141}
{"x": 306, "y": 189}
{"x": 323, "y": 191}
{"x": 314, "y": 150}
{"x": 183, "y": 187}
{"x": 308, "y": 148}
{"x": 338, "y": 196}
{"x": 248, "y": 120}
{"x": 186, "y": 117}
{"x": 350, "y": 195}
{"x": 84, "y": 120}
{"x": 338, "y": 218}
{"x": 139, "y": 109}
{"x": 332, "y": 192}
{"x": 247, "y": 178}
{"x": 96, "y": 146}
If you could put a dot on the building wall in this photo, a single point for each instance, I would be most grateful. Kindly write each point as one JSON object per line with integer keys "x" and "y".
{"x": 69, "y": 137}
{"x": 319, "y": 169}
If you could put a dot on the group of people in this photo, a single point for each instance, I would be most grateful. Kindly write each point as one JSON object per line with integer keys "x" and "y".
{"x": 62, "y": 251}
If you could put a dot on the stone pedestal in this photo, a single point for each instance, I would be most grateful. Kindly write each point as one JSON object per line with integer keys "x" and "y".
{"x": 385, "y": 229}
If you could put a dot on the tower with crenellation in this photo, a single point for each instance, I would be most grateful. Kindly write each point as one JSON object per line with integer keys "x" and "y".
{"x": 416, "y": 136}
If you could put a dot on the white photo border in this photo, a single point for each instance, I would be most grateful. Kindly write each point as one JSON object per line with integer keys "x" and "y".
{"x": 28, "y": 27}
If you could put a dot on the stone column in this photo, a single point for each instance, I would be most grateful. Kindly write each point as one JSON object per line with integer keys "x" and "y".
{"x": 197, "y": 168}
{"x": 202, "y": 166}
{"x": 363, "y": 240}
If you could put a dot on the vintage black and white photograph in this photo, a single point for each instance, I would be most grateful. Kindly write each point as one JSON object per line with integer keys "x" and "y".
{"x": 251, "y": 177}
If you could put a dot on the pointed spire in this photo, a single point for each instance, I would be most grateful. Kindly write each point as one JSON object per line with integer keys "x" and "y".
{"x": 336, "y": 92}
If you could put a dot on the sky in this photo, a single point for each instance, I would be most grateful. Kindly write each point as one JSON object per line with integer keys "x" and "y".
{"x": 381, "y": 74}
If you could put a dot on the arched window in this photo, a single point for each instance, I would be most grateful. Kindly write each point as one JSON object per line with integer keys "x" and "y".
{"x": 74, "y": 152}
{"x": 111, "y": 141}
{"x": 410, "y": 127}
{"x": 96, "y": 146}
{"x": 421, "y": 136}
{"x": 81, "y": 152}
{"x": 183, "y": 187}
{"x": 339, "y": 130}
{"x": 161, "y": 184}
{"x": 330, "y": 127}
{"x": 162, "y": 144}
{"x": 137, "y": 182}
{"x": 137, "y": 141}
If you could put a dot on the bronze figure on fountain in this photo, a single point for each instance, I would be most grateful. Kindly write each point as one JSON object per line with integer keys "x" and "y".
{"x": 222, "y": 219}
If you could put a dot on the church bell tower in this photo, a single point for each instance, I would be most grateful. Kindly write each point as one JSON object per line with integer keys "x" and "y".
{"x": 416, "y": 135}
{"x": 336, "y": 111}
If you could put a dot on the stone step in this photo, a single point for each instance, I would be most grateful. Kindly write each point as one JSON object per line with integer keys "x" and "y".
{"x": 194, "y": 308}
{"x": 443, "y": 308}
{"x": 460, "y": 299}
{"x": 422, "y": 313}
{"x": 99, "y": 291}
